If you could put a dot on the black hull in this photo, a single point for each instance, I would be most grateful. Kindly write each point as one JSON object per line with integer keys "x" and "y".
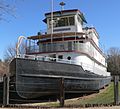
{"x": 35, "y": 78}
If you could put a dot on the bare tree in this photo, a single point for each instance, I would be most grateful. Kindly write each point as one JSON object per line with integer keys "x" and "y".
{"x": 3, "y": 68}
{"x": 6, "y": 9}
{"x": 113, "y": 60}
{"x": 10, "y": 52}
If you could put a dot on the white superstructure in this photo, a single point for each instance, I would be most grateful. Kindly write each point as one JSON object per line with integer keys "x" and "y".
{"x": 70, "y": 41}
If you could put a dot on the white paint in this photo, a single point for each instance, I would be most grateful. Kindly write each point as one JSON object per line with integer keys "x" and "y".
{"x": 78, "y": 25}
{"x": 82, "y": 60}
{"x": 92, "y": 34}
{"x": 71, "y": 28}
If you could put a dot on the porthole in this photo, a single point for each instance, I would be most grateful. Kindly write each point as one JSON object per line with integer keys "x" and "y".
{"x": 69, "y": 58}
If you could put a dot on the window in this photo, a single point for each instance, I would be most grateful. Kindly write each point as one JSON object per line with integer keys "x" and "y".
{"x": 52, "y": 57}
{"x": 80, "y": 41}
{"x": 62, "y": 21}
{"x": 71, "y": 21}
{"x": 69, "y": 46}
{"x": 60, "y": 57}
{"x": 61, "y": 47}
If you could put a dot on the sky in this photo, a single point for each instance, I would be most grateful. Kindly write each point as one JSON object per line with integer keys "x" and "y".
{"x": 104, "y": 15}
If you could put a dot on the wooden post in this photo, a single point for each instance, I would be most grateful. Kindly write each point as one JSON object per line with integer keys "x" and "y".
{"x": 5, "y": 90}
{"x": 62, "y": 95}
{"x": 116, "y": 89}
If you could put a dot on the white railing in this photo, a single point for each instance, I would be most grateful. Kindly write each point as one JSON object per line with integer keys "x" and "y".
{"x": 44, "y": 58}
{"x": 85, "y": 66}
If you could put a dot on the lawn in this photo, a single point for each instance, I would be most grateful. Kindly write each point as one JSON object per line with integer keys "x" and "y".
{"x": 105, "y": 96}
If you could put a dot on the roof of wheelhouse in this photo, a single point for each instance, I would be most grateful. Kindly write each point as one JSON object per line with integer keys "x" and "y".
{"x": 63, "y": 11}
{"x": 66, "y": 12}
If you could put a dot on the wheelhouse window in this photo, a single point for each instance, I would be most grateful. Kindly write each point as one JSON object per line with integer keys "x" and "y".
{"x": 62, "y": 21}
{"x": 71, "y": 21}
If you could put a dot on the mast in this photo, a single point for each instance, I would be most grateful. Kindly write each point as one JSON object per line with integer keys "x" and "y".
{"x": 51, "y": 21}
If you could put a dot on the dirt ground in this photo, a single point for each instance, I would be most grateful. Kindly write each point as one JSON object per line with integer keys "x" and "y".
{"x": 114, "y": 107}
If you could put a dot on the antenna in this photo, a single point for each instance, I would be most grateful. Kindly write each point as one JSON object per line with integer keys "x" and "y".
{"x": 62, "y": 4}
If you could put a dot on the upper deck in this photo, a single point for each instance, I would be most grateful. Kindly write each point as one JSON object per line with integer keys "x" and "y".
{"x": 55, "y": 35}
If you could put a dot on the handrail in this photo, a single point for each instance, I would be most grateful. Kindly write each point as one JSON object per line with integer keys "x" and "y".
{"x": 78, "y": 46}
{"x": 45, "y": 58}
{"x": 20, "y": 39}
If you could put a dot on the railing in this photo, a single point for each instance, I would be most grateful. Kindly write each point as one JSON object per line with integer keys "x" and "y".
{"x": 66, "y": 46}
{"x": 44, "y": 58}
{"x": 85, "y": 66}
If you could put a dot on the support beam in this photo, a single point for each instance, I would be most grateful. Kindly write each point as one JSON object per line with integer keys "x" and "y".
{"x": 62, "y": 94}
{"x": 116, "y": 89}
{"x": 5, "y": 90}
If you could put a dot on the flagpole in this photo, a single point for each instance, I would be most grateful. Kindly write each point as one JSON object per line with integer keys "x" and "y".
{"x": 51, "y": 21}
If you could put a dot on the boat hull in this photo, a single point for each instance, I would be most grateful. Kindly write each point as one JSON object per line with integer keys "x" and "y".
{"x": 35, "y": 78}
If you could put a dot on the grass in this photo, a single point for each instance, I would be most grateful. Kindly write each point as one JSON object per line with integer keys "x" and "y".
{"x": 105, "y": 96}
